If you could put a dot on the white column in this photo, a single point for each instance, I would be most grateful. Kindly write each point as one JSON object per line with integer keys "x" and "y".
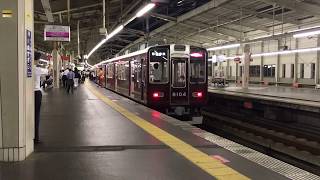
{"x": 316, "y": 78}
{"x": 261, "y": 62}
{"x": 296, "y": 58}
{"x": 228, "y": 66}
{"x": 212, "y": 68}
{"x": 56, "y": 69}
{"x": 16, "y": 80}
{"x": 246, "y": 66}
{"x": 277, "y": 75}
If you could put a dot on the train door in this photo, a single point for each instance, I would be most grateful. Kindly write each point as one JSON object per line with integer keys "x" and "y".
{"x": 110, "y": 76}
{"x": 136, "y": 79}
{"x": 179, "y": 81}
{"x": 144, "y": 71}
{"x": 142, "y": 81}
{"x": 106, "y": 76}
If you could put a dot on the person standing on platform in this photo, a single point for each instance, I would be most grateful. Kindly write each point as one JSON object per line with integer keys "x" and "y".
{"x": 38, "y": 72}
{"x": 77, "y": 77}
{"x": 60, "y": 77}
{"x": 64, "y": 78}
{"x": 100, "y": 77}
{"x": 70, "y": 81}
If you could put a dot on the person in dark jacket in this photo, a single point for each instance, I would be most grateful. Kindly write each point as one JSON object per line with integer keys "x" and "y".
{"x": 77, "y": 77}
{"x": 70, "y": 81}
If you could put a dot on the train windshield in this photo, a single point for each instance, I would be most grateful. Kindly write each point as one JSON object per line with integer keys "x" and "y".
{"x": 179, "y": 68}
{"x": 158, "y": 70}
{"x": 198, "y": 66}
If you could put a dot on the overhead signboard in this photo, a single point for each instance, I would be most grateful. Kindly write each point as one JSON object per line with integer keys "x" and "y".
{"x": 56, "y": 33}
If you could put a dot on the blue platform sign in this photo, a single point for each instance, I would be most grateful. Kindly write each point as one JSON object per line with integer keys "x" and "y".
{"x": 29, "y": 53}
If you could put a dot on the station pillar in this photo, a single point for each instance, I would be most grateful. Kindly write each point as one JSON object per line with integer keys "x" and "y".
{"x": 246, "y": 66}
{"x": 56, "y": 66}
{"x": 16, "y": 80}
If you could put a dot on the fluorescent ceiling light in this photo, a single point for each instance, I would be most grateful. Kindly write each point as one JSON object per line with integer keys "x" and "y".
{"x": 116, "y": 31}
{"x": 287, "y": 52}
{"x": 140, "y": 13}
{"x": 306, "y": 34}
{"x": 303, "y": 29}
{"x": 127, "y": 22}
{"x": 97, "y": 47}
{"x": 280, "y": 52}
{"x": 224, "y": 47}
{"x": 123, "y": 57}
{"x": 113, "y": 33}
{"x": 145, "y": 9}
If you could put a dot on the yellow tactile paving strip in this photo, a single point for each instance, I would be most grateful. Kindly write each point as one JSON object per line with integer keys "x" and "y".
{"x": 212, "y": 166}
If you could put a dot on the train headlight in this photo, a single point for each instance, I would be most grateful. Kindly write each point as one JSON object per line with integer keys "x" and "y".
{"x": 158, "y": 94}
{"x": 197, "y": 94}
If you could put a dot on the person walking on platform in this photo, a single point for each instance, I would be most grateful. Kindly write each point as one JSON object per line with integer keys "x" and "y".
{"x": 77, "y": 77}
{"x": 100, "y": 77}
{"x": 38, "y": 72}
{"x": 70, "y": 81}
{"x": 64, "y": 78}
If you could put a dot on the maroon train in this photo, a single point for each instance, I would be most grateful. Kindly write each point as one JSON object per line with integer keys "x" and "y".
{"x": 172, "y": 78}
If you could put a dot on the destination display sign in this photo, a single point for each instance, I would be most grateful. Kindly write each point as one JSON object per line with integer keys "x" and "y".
{"x": 56, "y": 33}
{"x": 160, "y": 54}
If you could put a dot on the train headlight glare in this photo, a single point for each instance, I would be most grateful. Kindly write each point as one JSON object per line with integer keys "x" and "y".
{"x": 197, "y": 94}
{"x": 158, "y": 94}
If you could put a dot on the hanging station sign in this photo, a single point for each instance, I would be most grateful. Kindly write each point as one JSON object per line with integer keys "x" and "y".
{"x": 56, "y": 33}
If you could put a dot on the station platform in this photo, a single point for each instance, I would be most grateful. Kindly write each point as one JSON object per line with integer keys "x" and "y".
{"x": 299, "y": 96}
{"x": 96, "y": 134}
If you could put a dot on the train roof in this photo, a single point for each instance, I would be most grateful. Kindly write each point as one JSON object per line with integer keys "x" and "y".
{"x": 124, "y": 56}
{"x": 143, "y": 51}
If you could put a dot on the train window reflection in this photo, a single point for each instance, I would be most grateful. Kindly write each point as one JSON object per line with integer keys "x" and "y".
{"x": 197, "y": 71}
{"x": 122, "y": 71}
{"x": 158, "y": 72}
{"x": 136, "y": 70}
{"x": 179, "y": 72}
{"x": 159, "y": 68}
{"x": 110, "y": 70}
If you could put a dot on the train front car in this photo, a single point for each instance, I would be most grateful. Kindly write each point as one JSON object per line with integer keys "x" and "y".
{"x": 177, "y": 78}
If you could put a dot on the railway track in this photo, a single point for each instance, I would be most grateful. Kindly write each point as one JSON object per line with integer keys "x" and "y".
{"x": 293, "y": 144}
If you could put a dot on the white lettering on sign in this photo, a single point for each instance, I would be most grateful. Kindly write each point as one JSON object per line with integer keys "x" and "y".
{"x": 179, "y": 94}
{"x": 158, "y": 54}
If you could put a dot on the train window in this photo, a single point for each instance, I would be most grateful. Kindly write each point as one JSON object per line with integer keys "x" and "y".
{"x": 179, "y": 72}
{"x": 197, "y": 71}
{"x": 136, "y": 70}
{"x": 158, "y": 70}
{"x": 197, "y": 67}
{"x": 110, "y": 70}
{"x": 121, "y": 71}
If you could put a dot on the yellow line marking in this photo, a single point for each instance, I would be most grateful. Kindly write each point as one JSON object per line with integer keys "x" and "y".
{"x": 205, "y": 162}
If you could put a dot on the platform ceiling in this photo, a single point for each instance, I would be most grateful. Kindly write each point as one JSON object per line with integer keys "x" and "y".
{"x": 198, "y": 22}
